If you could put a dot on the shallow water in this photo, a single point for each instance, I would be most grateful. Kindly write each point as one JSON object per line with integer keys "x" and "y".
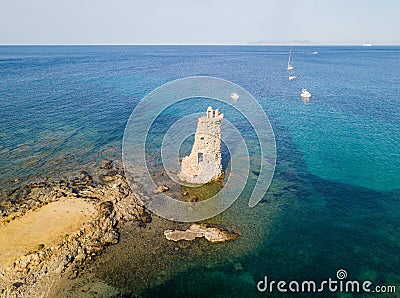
{"x": 334, "y": 200}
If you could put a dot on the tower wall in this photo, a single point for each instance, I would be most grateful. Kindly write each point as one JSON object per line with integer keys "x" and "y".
{"x": 204, "y": 162}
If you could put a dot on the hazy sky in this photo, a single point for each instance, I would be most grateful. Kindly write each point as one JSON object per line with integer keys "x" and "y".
{"x": 198, "y": 22}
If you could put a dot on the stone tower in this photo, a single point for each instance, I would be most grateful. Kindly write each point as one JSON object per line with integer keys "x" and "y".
{"x": 204, "y": 162}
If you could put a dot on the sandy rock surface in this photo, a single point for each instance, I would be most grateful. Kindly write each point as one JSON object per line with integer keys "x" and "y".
{"x": 213, "y": 233}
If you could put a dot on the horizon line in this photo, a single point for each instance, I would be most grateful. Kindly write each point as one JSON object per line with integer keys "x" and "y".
{"x": 200, "y": 44}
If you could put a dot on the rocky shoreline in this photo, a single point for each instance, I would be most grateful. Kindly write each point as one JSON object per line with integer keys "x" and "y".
{"x": 34, "y": 273}
{"x": 115, "y": 204}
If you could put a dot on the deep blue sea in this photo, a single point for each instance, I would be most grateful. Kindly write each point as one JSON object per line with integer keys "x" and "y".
{"x": 336, "y": 189}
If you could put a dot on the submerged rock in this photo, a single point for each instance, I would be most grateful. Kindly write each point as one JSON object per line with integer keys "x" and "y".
{"x": 213, "y": 233}
{"x": 106, "y": 164}
{"x": 161, "y": 188}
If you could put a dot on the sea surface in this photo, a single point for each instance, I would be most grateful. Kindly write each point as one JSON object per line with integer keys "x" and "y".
{"x": 334, "y": 202}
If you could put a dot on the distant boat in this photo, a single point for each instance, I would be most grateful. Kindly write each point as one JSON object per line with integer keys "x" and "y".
{"x": 290, "y": 67}
{"x": 234, "y": 96}
{"x": 367, "y": 45}
{"x": 314, "y": 53}
{"x": 290, "y": 61}
{"x": 305, "y": 93}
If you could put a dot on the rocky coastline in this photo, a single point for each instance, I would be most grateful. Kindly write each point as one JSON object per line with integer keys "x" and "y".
{"x": 115, "y": 204}
{"x": 34, "y": 273}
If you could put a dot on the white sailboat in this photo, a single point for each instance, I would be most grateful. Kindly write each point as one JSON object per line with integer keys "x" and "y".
{"x": 290, "y": 61}
{"x": 290, "y": 67}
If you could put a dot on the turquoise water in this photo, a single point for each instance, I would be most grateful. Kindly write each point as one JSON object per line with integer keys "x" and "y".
{"x": 64, "y": 108}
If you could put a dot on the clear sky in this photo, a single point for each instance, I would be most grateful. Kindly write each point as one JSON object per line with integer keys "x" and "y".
{"x": 198, "y": 21}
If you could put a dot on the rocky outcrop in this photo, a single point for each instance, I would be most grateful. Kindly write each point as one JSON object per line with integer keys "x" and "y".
{"x": 213, "y": 233}
{"x": 34, "y": 274}
{"x": 161, "y": 188}
{"x": 115, "y": 203}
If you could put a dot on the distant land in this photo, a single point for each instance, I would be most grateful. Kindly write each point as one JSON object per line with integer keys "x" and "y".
{"x": 283, "y": 42}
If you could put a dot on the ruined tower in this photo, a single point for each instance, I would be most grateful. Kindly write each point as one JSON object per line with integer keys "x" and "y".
{"x": 204, "y": 162}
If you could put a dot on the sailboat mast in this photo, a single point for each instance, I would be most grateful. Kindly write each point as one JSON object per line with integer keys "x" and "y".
{"x": 290, "y": 67}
